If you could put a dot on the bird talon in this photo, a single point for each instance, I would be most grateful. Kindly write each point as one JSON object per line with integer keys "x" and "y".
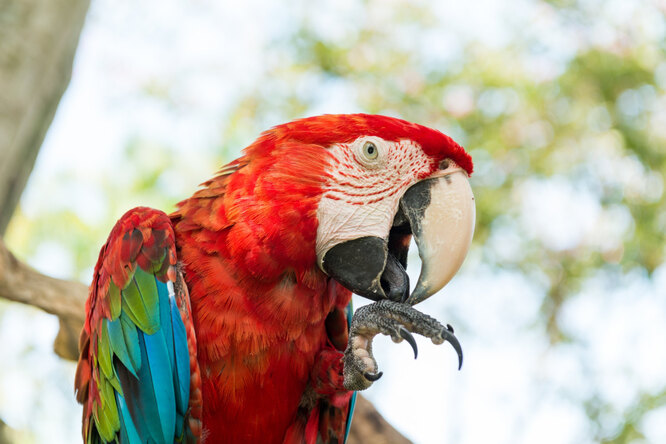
{"x": 447, "y": 335}
{"x": 372, "y": 377}
{"x": 406, "y": 335}
{"x": 399, "y": 321}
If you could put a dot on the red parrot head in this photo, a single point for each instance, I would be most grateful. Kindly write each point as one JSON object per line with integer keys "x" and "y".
{"x": 369, "y": 183}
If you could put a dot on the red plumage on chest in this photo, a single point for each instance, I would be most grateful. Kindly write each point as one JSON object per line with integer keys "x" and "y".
{"x": 259, "y": 302}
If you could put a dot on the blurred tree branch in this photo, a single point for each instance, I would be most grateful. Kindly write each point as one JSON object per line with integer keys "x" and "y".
{"x": 369, "y": 427}
{"x": 65, "y": 299}
{"x": 37, "y": 45}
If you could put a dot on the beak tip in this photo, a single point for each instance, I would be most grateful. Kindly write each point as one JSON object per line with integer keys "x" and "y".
{"x": 421, "y": 292}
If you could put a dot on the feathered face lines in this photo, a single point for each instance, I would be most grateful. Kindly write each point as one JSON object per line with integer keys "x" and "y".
{"x": 358, "y": 180}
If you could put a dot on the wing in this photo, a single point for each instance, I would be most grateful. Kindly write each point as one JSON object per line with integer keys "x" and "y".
{"x": 137, "y": 376}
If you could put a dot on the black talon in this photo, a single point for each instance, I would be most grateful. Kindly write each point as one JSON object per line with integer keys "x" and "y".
{"x": 449, "y": 328}
{"x": 407, "y": 336}
{"x": 372, "y": 377}
{"x": 449, "y": 336}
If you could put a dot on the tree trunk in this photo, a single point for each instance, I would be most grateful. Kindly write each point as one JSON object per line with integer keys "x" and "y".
{"x": 4, "y": 438}
{"x": 38, "y": 40}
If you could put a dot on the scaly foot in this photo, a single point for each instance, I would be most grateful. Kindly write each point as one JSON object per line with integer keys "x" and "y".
{"x": 397, "y": 320}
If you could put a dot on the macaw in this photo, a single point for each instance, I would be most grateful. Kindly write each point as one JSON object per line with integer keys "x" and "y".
{"x": 229, "y": 320}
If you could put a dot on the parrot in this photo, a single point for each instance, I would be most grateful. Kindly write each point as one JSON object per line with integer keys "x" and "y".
{"x": 230, "y": 319}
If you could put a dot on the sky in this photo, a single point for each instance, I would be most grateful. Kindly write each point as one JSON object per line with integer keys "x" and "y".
{"x": 513, "y": 388}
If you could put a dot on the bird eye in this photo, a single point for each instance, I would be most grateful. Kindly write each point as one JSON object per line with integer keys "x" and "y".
{"x": 370, "y": 150}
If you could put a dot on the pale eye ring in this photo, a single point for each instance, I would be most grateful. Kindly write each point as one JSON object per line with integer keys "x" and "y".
{"x": 370, "y": 150}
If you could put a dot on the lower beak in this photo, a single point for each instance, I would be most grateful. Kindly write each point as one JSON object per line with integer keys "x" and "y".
{"x": 440, "y": 213}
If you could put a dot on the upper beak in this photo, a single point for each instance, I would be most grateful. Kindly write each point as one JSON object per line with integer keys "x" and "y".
{"x": 439, "y": 212}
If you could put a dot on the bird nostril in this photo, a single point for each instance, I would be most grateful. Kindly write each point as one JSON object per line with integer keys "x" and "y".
{"x": 444, "y": 164}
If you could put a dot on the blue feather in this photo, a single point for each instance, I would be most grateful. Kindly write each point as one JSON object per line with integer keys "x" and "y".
{"x": 128, "y": 433}
{"x": 118, "y": 345}
{"x": 162, "y": 382}
{"x": 131, "y": 342}
{"x": 180, "y": 427}
{"x": 143, "y": 405}
{"x": 182, "y": 369}
{"x": 165, "y": 320}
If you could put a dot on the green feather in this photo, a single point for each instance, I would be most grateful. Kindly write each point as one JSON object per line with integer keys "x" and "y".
{"x": 132, "y": 305}
{"x": 109, "y": 407}
{"x": 115, "y": 381}
{"x": 130, "y": 274}
{"x": 117, "y": 340}
{"x": 140, "y": 302}
{"x": 148, "y": 288}
{"x": 103, "y": 424}
{"x": 106, "y": 393}
{"x": 131, "y": 341}
{"x": 156, "y": 265}
{"x": 104, "y": 350}
{"x": 114, "y": 300}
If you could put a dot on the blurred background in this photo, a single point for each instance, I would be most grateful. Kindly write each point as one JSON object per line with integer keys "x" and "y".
{"x": 561, "y": 303}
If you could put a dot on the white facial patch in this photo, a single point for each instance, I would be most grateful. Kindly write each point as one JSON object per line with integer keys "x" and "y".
{"x": 362, "y": 195}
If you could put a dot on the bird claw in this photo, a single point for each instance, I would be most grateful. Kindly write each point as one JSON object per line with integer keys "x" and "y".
{"x": 406, "y": 335}
{"x": 447, "y": 335}
{"x": 372, "y": 377}
{"x": 397, "y": 320}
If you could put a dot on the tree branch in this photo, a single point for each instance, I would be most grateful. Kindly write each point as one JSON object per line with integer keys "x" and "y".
{"x": 369, "y": 427}
{"x": 66, "y": 299}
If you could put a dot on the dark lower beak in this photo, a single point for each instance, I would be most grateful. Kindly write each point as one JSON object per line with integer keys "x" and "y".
{"x": 366, "y": 267}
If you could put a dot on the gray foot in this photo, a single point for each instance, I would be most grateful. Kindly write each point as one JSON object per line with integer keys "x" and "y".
{"x": 397, "y": 320}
